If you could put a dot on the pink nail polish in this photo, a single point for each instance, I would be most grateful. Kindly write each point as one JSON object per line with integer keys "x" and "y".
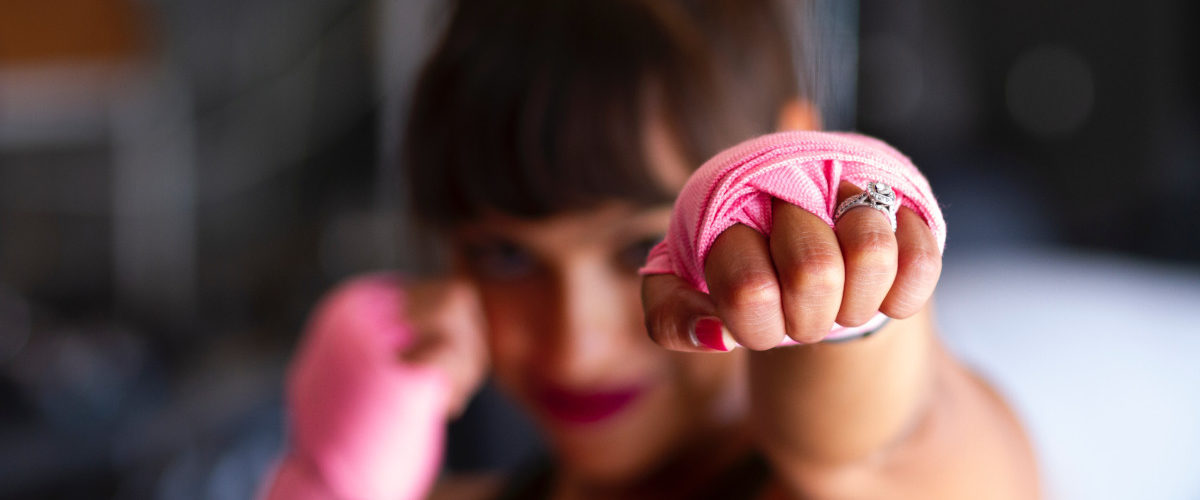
{"x": 709, "y": 332}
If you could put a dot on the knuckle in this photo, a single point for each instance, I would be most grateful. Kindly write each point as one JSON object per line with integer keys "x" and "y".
{"x": 659, "y": 323}
{"x": 807, "y": 333}
{"x": 924, "y": 263}
{"x": 855, "y": 318}
{"x": 874, "y": 253}
{"x": 761, "y": 341}
{"x": 813, "y": 271}
{"x": 901, "y": 306}
{"x": 811, "y": 337}
{"x": 824, "y": 275}
{"x": 751, "y": 290}
{"x": 875, "y": 242}
{"x": 909, "y": 294}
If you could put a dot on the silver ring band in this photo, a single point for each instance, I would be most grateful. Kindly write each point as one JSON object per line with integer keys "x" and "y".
{"x": 879, "y": 196}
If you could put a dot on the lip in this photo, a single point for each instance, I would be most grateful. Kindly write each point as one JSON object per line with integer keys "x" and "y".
{"x": 588, "y": 406}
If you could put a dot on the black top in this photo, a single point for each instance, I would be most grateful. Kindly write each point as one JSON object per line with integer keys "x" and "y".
{"x": 745, "y": 480}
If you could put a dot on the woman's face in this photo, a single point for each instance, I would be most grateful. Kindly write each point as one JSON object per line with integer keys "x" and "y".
{"x": 567, "y": 340}
{"x": 562, "y": 299}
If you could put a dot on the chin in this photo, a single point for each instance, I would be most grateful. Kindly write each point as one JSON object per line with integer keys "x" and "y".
{"x": 613, "y": 461}
{"x": 620, "y": 451}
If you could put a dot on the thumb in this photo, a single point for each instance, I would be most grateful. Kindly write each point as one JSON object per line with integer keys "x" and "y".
{"x": 681, "y": 318}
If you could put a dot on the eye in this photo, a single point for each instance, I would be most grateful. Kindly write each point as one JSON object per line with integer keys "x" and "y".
{"x": 500, "y": 261}
{"x": 633, "y": 256}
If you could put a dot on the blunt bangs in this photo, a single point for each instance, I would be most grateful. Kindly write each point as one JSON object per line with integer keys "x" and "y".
{"x": 532, "y": 108}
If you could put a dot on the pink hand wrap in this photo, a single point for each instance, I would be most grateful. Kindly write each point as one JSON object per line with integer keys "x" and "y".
{"x": 801, "y": 168}
{"x": 364, "y": 425}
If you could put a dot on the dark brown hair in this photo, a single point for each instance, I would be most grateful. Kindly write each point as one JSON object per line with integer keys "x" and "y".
{"x": 534, "y": 107}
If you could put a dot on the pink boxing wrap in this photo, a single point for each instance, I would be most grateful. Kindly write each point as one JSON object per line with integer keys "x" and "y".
{"x": 801, "y": 168}
{"x": 363, "y": 424}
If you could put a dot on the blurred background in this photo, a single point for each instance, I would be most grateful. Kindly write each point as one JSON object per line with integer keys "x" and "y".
{"x": 180, "y": 181}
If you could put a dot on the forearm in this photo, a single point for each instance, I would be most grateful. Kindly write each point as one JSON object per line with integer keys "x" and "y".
{"x": 834, "y": 403}
{"x": 894, "y": 415}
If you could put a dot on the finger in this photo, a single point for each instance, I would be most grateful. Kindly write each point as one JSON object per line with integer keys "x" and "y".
{"x": 681, "y": 318}
{"x": 445, "y": 318}
{"x": 869, "y": 252}
{"x": 436, "y": 353}
{"x": 461, "y": 360}
{"x": 808, "y": 263}
{"x": 920, "y": 265}
{"x": 741, "y": 280}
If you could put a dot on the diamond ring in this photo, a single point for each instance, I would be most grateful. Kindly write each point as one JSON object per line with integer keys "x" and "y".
{"x": 878, "y": 196}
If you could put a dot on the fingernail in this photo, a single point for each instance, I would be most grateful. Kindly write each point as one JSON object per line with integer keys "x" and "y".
{"x": 709, "y": 332}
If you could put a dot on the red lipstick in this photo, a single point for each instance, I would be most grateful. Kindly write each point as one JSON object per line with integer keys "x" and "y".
{"x": 585, "y": 406}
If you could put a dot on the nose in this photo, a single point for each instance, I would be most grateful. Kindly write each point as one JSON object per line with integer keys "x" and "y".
{"x": 590, "y": 325}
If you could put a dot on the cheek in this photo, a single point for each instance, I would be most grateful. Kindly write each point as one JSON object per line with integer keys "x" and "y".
{"x": 524, "y": 321}
{"x": 512, "y": 322}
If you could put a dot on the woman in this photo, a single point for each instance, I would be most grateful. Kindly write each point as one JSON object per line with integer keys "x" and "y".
{"x": 547, "y": 143}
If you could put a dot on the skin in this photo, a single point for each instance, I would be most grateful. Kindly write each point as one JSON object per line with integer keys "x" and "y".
{"x": 889, "y": 416}
{"x": 562, "y": 305}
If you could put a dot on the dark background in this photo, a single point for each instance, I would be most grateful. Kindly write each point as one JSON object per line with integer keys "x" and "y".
{"x": 1090, "y": 107}
{"x": 179, "y": 182}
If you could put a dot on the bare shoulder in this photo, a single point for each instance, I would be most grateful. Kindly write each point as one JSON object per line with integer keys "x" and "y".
{"x": 467, "y": 487}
